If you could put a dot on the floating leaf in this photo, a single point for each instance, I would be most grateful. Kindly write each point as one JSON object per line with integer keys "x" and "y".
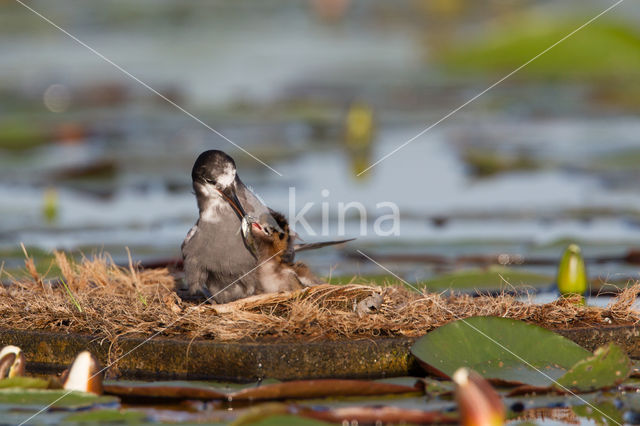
{"x": 375, "y": 415}
{"x": 263, "y": 412}
{"x": 501, "y": 349}
{"x": 110, "y": 416}
{"x": 436, "y": 388}
{"x": 609, "y": 366}
{"x": 24, "y": 382}
{"x": 286, "y": 420}
{"x": 60, "y": 398}
{"x": 320, "y": 388}
{"x": 276, "y": 391}
{"x": 489, "y": 279}
{"x": 604, "y": 413}
{"x": 608, "y": 50}
{"x": 163, "y": 390}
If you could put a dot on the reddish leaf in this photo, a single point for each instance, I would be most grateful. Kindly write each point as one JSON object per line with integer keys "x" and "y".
{"x": 285, "y": 390}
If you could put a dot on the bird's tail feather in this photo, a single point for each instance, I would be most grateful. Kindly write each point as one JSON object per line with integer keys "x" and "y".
{"x": 312, "y": 246}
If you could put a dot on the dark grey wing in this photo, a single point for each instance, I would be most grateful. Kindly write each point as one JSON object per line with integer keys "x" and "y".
{"x": 312, "y": 246}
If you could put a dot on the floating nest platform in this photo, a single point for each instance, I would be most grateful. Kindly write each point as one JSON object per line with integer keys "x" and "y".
{"x": 134, "y": 318}
{"x": 178, "y": 359}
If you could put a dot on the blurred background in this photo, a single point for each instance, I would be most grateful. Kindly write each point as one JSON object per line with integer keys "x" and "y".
{"x": 91, "y": 161}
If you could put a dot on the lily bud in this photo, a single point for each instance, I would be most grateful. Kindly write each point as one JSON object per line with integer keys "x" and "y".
{"x": 12, "y": 362}
{"x": 478, "y": 403}
{"x": 572, "y": 275}
{"x": 84, "y": 375}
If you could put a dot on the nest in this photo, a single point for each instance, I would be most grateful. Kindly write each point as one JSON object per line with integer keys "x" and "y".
{"x": 97, "y": 297}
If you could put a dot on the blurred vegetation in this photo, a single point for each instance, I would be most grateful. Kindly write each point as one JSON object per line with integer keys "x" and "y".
{"x": 18, "y": 135}
{"x": 486, "y": 162}
{"x": 493, "y": 278}
{"x": 489, "y": 279}
{"x": 602, "y": 50}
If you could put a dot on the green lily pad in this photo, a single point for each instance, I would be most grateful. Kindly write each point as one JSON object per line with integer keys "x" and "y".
{"x": 436, "y": 388}
{"x": 375, "y": 279}
{"x": 60, "y": 398}
{"x": 287, "y": 420}
{"x": 604, "y": 413}
{"x": 24, "y": 382}
{"x": 18, "y": 135}
{"x": 107, "y": 416}
{"x": 609, "y": 366}
{"x": 492, "y": 278}
{"x": 606, "y": 49}
{"x": 500, "y": 349}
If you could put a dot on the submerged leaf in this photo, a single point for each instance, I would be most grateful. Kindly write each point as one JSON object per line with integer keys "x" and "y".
{"x": 501, "y": 349}
{"x": 609, "y": 366}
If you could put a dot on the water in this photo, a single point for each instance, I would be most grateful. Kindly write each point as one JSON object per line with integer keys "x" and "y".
{"x": 251, "y": 79}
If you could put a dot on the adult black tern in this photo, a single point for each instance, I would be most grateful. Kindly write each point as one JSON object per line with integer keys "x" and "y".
{"x": 237, "y": 248}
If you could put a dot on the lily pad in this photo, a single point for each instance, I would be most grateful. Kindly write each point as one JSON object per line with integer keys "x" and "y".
{"x": 107, "y": 416}
{"x": 378, "y": 415}
{"x": 375, "y": 279}
{"x": 436, "y": 388}
{"x": 609, "y": 366}
{"x": 18, "y": 135}
{"x": 604, "y": 413}
{"x": 492, "y": 278}
{"x": 500, "y": 349}
{"x": 170, "y": 390}
{"x": 276, "y": 391}
{"x": 288, "y": 420}
{"x": 24, "y": 383}
{"x": 608, "y": 49}
{"x": 60, "y": 398}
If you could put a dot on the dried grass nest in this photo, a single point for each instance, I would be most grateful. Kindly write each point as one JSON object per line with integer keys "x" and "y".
{"x": 100, "y": 298}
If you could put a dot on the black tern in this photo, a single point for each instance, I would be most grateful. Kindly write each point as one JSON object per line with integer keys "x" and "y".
{"x": 235, "y": 233}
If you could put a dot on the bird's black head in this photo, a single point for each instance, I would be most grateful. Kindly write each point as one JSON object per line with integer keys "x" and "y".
{"x": 214, "y": 175}
{"x": 215, "y": 168}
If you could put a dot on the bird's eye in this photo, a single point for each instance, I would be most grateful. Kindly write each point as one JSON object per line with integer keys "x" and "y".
{"x": 211, "y": 181}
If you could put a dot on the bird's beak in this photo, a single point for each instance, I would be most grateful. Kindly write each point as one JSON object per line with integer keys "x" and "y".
{"x": 229, "y": 194}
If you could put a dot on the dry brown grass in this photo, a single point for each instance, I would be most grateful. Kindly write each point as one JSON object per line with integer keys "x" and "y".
{"x": 109, "y": 301}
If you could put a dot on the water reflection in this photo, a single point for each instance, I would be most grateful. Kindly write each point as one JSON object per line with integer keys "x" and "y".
{"x": 92, "y": 160}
